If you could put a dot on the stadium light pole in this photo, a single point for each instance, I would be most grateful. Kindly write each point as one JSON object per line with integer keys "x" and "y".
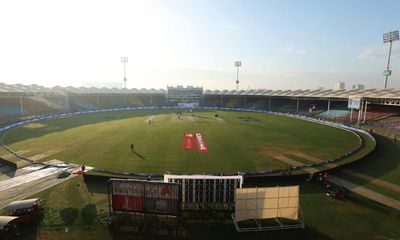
{"x": 389, "y": 38}
{"x": 237, "y": 65}
{"x": 124, "y": 60}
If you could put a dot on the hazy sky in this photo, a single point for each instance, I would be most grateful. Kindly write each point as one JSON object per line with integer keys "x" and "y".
{"x": 282, "y": 44}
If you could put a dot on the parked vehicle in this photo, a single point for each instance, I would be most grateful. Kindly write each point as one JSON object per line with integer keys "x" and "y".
{"x": 25, "y": 210}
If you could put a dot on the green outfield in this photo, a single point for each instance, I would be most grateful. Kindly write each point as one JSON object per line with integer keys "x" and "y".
{"x": 236, "y": 141}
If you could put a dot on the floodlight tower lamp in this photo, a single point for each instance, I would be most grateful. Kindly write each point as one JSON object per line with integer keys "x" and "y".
{"x": 389, "y": 38}
{"x": 237, "y": 65}
{"x": 124, "y": 60}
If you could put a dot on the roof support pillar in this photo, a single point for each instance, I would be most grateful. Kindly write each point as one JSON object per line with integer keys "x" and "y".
{"x": 351, "y": 115}
{"x": 329, "y": 107}
{"x": 21, "y": 105}
{"x": 365, "y": 110}
{"x": 269, "y": 103}
{"x": 360, "y": 112}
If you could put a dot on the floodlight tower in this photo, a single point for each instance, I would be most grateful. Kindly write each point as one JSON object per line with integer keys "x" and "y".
{"x": 124, "y": 60}
{"x": 237, "y": 65}
{"x": 389, "y": 38}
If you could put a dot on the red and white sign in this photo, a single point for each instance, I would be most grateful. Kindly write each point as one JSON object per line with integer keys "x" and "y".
{"x": 188, "y": 141}
{"x": 127, "y": 197}
{"x": 201, "y": 144}
{"x": 145, "y": 196}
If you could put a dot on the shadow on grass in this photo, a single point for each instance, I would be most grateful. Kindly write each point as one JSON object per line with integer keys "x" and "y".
{"x": 69, "y": 215}
{"x": 8, "y": 171}
{"x": 29, "y": 231}
{"x": 89, "y": 213}
{"x": 382, "y": 160}
{"x": 249, "y": 119}
{"x": 97, "y": 186}
{"x": 207, "y": 227}
{"x": 140, "y": 156}
{"x": 227, "y": 230}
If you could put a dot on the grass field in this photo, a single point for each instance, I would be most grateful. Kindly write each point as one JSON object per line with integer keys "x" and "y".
{"x": 237, "y": 141}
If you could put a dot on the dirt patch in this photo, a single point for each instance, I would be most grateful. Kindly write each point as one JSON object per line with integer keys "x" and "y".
{"x": 174, "y": 118}
{"x": 149, "y": 118}
{"x": 307, "y": 157}
{"x": 183, "y": 118}
{"x": 190, "y": 118}
{"x": 312, "y": 159}
{"x": 272, "y": 151}
{"x": 220, "y": 120}
{"x": 34, "y": 125}
{"x": 10, "y": 155}
{"x": 40, "y": 156}
{"x": 294, "y": 163}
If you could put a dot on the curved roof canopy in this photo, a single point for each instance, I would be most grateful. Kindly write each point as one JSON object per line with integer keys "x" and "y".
{"x": 300, "y": 93}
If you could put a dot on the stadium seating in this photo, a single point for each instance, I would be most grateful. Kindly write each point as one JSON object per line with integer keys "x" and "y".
{"x": 159, "y": 100}
{"x": 388, "y": 126}
{"x": 212, "y": 101}
{"x": 134, "y": 101}
{"x": 39, "y": 106}
{"x": 10, "y": 107}
{"x": 334, "y": 114}
{"x": 260, "y": 103}
{"x": 233, "y": 101}
{"x": 111, "y": 101}
{"x": 82, "y": 102}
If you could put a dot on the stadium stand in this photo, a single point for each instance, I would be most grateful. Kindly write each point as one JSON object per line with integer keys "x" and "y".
{"x": 233, "y": 102}
{"x": 19, "y": 101}
{"x": 212, "y": 101}
{"x": 134, "y": 101}
{"x": 376, "y": 112}
{"x": 10, "y": 107}
{"x": 82, "y": 102}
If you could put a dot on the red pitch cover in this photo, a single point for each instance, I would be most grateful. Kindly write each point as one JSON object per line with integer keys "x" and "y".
{"x": 201, "y": 143}
{"x": 188, "y": 141}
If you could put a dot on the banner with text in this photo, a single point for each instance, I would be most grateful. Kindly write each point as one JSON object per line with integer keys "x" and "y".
{"x": 145, "y": 196}
{"x": 201, "y": 143}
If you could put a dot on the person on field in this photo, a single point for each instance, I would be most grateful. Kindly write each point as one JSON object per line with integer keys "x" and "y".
{"x": 83, "y": 168}
{"x": 132, "y": 147}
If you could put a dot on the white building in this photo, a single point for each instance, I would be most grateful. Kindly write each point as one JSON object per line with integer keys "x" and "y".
{"x": 189, "y": 96}
{"x": 358, "y": 86}
{"x": 339, "y": 86}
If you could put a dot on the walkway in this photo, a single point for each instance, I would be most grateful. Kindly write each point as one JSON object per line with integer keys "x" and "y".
{"x": 363, "y": 191}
